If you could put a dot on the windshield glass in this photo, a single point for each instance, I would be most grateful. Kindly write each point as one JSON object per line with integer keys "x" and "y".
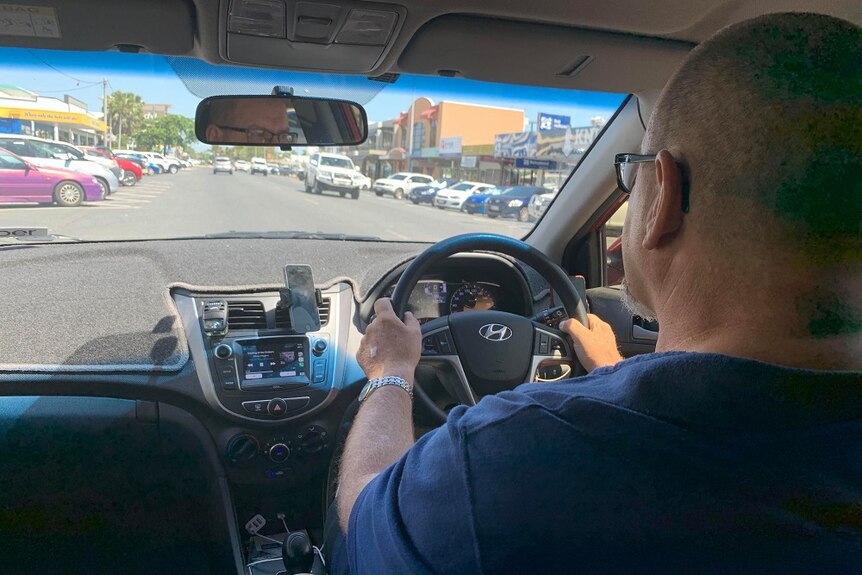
{"x": 336, "y": 162}
{"x": 518, "y": 191}
{"x": 461, "y": 187}
{"x": 441, "y": 129}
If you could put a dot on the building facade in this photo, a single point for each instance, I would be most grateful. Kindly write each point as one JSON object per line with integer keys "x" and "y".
{"x": 68, "y": 120}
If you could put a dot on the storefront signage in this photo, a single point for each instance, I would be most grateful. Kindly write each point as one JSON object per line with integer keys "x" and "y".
{"x": 52, "y": 117}
{"x": 450, "y": 146}
{"x": 468, "y": 161}
{"x": 533, "y": 164}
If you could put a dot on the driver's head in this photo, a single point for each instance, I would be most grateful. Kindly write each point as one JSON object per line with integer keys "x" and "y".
{"x": 761, "y": 127}
{"x": 247, "y": 120}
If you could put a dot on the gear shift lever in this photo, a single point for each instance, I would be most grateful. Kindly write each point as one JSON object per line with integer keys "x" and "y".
{"x": 297, "y": 554}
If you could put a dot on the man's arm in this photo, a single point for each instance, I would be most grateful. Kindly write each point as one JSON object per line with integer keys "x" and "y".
{"x": 383, "y": 429}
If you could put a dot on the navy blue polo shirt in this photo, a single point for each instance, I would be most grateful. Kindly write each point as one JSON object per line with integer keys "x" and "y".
{"x": 670, "y": 462}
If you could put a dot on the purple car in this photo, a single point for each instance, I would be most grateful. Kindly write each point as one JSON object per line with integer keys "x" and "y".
{"x": 21, "y": 181}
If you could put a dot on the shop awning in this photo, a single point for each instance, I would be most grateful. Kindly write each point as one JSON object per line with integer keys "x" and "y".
{"x": 72, "y": 119}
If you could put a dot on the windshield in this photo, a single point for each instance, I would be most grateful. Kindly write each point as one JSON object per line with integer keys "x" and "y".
{"x": 422, "y": 130}
{"x": 461, "y": 187}
{"x": 336, "y": 162}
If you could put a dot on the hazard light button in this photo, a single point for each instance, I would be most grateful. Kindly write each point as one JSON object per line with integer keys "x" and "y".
{"x": 276, "y": 407}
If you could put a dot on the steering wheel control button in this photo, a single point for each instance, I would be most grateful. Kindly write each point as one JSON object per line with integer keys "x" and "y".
{"x": 430, "y": 346}
{"x": 256, "y": 407}
{"x": 319, "y": 370}
{"x": 443, "y": 343}
{"x": 276, "y": 407}
{"x": 557, "y": 346}
{"x": 279, "y": 452}
{"x": 544, "y": 344}
{"x": 223, "y": 351}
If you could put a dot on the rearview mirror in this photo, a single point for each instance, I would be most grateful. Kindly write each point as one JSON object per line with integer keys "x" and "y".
{"x": 280, "y": 121}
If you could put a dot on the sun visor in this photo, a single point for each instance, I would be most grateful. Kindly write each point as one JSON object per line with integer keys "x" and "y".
{"x": 540, "y": 54}
{"x": 156, "y": 26}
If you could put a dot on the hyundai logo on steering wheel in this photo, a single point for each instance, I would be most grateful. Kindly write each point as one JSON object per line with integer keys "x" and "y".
{"x": 495, "y": 332}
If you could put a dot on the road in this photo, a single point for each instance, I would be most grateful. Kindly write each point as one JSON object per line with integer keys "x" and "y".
{"x": 195, "y": 202}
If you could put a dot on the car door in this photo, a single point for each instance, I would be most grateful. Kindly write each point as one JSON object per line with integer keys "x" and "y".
{"x": 21, "y": 183}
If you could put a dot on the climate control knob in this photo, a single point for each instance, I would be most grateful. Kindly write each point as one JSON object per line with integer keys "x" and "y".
{"x": 242, "y": 449}
{"x": 223, "y": 351}
{"x": 279, "y": 452}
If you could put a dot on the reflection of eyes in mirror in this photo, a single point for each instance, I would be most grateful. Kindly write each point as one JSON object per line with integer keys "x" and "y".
{"x": 280, "y": 121}
{"x": 254, "y": 121}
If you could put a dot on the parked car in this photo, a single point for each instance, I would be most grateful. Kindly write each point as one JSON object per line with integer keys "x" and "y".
{"x": 242, "y": 166}
{"x": 332, "y": 172}
{"x": 274, "y": 170}
{"x": 475, "y": 204}
{"x": 399, "y": 185}
{"x": 454, "y": 196}
{"x": 363, "y": 181}
{"x": 222, "y": 164}
{"x": 22, "y": 181}
{"x": 426, "y": 194}
{"x": 512, "y": 202}
{"x": 131, "y": 172}
{"x": 147, "y": 164}
{"x": 170, "y": 165}
{"x": 539, "y": 205}
{"x": 50, "y": 154}
{"x": 258, "y": 166}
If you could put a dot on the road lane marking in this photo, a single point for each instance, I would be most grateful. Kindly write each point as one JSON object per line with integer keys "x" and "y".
{"x": 310, "y": 201}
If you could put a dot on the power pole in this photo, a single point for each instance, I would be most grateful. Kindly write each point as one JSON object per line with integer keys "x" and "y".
{"x": 105, "y": 108}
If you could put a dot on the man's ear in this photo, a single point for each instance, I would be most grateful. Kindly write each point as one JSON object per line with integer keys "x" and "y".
{"x": 214, "y": 133}
{"x": 664, "y": 216}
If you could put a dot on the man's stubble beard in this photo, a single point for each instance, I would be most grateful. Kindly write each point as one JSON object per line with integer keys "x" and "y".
{"x": 633, "y": 305}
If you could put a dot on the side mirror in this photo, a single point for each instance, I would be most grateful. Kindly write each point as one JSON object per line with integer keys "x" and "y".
{"x": 280, "y": 121}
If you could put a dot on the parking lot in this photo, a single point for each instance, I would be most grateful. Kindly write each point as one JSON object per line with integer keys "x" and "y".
{"x": 196, "y": 202}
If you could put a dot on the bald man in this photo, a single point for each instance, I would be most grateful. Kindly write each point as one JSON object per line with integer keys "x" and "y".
{"x": 737, "y": 446}
{"x": 238, "y": 121}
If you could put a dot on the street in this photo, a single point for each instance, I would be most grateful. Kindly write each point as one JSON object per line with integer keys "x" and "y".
{"x": 196, "y": 202}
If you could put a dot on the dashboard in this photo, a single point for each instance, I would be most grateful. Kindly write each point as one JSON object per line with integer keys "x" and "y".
{"x": 256, "y": 412}
{"x": 468, "y": 284}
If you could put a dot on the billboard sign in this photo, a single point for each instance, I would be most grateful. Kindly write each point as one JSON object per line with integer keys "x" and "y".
{"x": 553, "y": 122}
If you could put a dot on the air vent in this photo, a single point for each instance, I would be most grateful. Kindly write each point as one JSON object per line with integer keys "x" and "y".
{"x": 246, "y": 315}
{"x": 323, "y": 310}
{"x": 282, "y": 315}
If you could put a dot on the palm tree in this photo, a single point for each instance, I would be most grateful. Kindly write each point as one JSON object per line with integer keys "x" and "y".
{"x": 125, "y": 111}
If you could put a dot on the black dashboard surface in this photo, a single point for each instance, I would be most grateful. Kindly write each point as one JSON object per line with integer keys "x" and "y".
{"x": 122, "y": 320}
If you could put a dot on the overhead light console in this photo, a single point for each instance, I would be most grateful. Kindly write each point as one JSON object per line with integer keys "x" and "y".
{"x": 344, "y": 36}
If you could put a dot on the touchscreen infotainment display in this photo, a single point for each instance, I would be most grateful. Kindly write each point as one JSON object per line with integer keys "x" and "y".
{"x": 267, "y": 359}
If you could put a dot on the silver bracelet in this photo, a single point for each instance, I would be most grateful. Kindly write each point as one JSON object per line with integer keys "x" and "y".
{"x": 379, "y": 382}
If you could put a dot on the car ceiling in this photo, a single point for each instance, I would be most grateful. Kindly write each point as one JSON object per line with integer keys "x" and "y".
{"x": 620, "y": 46}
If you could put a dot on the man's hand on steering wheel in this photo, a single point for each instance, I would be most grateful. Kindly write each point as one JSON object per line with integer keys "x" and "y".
{"x": 595, "y": 346}
{"x": 390, "y": 346}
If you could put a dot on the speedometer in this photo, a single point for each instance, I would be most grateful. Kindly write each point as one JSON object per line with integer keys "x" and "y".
{"x": 471, "y": 297}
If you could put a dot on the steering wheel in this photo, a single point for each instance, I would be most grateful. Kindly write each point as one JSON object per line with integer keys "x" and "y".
{"x": 489, "y": 351}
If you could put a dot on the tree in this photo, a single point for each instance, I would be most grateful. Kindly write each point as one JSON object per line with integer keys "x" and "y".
{"x": 170, "y": 130}
{"x": 125, "y": 114}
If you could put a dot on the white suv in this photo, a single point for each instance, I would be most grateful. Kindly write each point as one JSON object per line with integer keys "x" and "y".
{"x": 332, "y": 172}
{"x": 399, "y": 185}
{"x": 455, "y": 196}
{"x": 258, "y": 166}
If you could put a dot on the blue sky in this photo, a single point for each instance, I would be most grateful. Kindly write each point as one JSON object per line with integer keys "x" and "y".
{"x": 154, "y": 78}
